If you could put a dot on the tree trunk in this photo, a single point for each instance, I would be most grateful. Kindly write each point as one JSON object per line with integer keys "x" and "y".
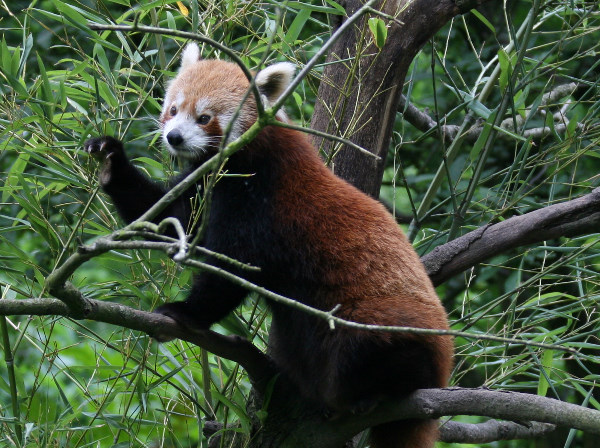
{"x": 361, "y": 86}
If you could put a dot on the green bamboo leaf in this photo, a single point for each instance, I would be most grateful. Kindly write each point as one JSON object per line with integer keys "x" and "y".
{"x": 46, "y": 90}
{"x": 296, "y": 26}
{"x": 487, "y": 128}
{"x": 5, "y": 57}
{"x": 485, "y": 21}
{"x": 27, "y": 46}
{"x": 477, "y": 107}
{"x": 543, "y": 384}
{"x": 100, "y": 55}
{"x": 378, "y": 30}
{"x": 15, "y": 60}
{"x": 239, "y": 411}
{"x": 12, "y": 180}
{"x": 337, "y": 6}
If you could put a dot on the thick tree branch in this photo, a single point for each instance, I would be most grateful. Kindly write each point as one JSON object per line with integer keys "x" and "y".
{"x": 512, "y": 406}
{"x": 257, "y": 364}
{"x": 458, "y": 432}
{"x": 571, "y": 218}
{"x": 320, "y": 432}
{"x": 492, "y": 431}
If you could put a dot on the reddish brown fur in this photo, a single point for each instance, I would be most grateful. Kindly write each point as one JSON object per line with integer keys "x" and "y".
{"x": 376, "y": 276}
{"x": 372, "y": 271}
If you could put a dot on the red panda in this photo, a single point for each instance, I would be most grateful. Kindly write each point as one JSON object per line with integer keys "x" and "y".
{"x": 316, "y": 239}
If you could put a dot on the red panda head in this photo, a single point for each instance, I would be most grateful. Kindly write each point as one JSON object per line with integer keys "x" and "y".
{"x": 203, "y": 97}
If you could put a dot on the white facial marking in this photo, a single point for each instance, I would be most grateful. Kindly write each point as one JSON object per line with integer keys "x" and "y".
{"x": 194, "y": 139}
{"x": 201, "y": 106}
{"x": 179, "y": 99}
{"x": 236, "y": 128}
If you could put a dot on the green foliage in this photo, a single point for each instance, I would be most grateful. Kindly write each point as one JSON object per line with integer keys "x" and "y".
{"x": 84, "y": 383}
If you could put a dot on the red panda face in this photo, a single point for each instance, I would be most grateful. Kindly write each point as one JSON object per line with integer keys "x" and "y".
{"x": 202, "y": 99}
{"x": 204, "y": 96}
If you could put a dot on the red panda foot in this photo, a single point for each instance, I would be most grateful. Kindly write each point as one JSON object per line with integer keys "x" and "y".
{"x": 181, "y": 313}
{"x": 364, "y": 406}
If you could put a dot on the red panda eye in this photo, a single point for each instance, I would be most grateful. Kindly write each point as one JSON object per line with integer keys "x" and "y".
{"x": 203, "y": 119}
{"x": 173, "y": 111}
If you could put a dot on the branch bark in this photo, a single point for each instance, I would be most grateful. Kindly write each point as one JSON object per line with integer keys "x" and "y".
{"x": 571, "y": 218}
{"x": 427, "y": 403}
{"x": 453, "y": 432}
{"x": 514, "y": 406}
{"x": 318, "y": 432}
{"x": 256, "y": 363}
{"x": 492, "y": 431}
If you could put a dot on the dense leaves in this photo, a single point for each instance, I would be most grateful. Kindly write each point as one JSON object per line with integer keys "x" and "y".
{"x": 499, "y": 71}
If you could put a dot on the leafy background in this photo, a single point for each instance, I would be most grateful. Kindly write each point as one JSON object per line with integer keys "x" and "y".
{"x": 89, "y": 384}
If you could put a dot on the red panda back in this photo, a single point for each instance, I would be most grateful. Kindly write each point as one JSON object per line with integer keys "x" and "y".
{"x": 365, "y": 264}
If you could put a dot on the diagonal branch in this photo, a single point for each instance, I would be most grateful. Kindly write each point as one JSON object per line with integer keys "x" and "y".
{"x": 256, "y": 363}
{"x": 424, "y": 123}
{"x": 571, "y": 218}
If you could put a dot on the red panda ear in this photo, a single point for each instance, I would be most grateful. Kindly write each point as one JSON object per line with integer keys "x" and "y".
{"x": 190, "y": 55}
{"x": 274, "y": 79}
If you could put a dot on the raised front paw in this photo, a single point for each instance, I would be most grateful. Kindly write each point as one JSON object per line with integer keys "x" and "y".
{"x": 110, "y": 151}
{"x": 103, "y": 147}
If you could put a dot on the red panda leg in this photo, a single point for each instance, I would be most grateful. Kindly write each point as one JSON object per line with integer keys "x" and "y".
{"x": 405, "y": 434}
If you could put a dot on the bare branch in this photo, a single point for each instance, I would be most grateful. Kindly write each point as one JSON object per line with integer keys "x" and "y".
{"x": 257, "y": 364}
{"x": 571, "y": 218}
{"x": 458, "y": 432}
{"x": 492, "y": 431}
{"x": 424, "y": 123}
{"x": 512, "y": 406}
{"x": 103, "y": 245}
{"x": 185, "y": 35}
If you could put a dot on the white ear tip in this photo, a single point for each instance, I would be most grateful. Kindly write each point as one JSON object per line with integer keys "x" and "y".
{"x": 273, "y": 80}
{"x": 285, "y": 69}
{"x": 190, "y": 55}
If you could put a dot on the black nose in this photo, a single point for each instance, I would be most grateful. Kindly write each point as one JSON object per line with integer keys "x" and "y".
{"x": 175, "y": 138}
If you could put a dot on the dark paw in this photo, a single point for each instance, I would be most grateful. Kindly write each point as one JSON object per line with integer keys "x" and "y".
{"x": 183, "y": 314}
{"x": 330, "y": 414}
{"x": 103, "y": 147}
{"x": 364, "y": 406}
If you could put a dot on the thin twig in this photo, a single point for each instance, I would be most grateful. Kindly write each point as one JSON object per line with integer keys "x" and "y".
{"x": 325, "y": 135}
{"x": 322, "y": 52}
{"x": 185, "y": 35}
